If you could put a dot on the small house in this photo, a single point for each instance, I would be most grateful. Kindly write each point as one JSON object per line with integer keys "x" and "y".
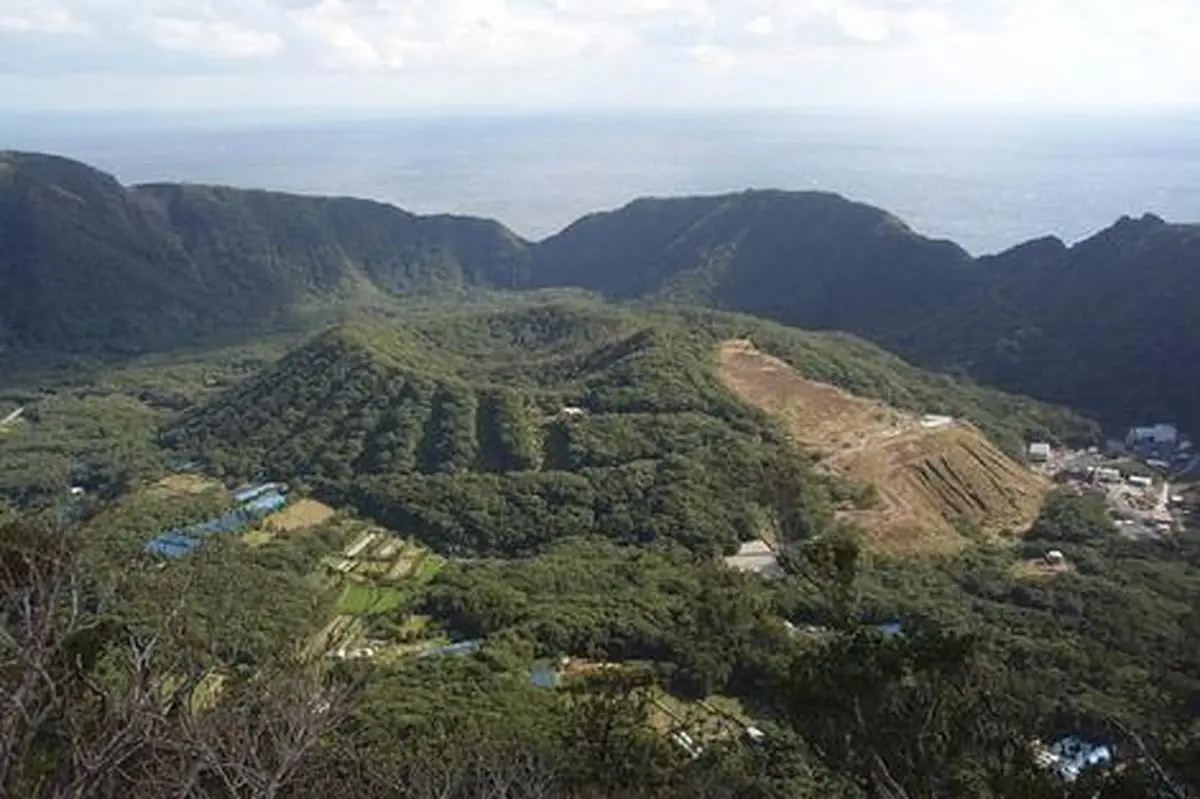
{"x": 1055, "y": 557}
{"x": 1039, "y": 452}
{"x": 1107, "y": 474}
{"x": 1140, "y": 481}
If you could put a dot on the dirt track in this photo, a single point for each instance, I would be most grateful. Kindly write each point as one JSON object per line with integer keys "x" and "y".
{"x": 931, "y": 481}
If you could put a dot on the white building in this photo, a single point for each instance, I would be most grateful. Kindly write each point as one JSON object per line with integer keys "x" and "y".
{"x": 1039, "y": 451}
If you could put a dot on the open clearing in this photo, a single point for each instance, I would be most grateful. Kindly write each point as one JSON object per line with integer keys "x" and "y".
{"x": 301, "y": 516}
{"x": 1038, "y": 570}
{"x": 363, "y": 598}
{"x": 933, "y": 480}
{"x": 185, "y": 484}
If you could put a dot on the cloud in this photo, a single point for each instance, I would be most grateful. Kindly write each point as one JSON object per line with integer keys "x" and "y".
{"x": 211, "y": 38}
{"x": 37, "y": 17}
{"x": 769, "y": 51}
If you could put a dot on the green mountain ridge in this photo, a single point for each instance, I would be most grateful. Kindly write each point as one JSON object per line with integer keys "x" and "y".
{"x": 1105, "y": 326}
{"x": 86, "y": 263}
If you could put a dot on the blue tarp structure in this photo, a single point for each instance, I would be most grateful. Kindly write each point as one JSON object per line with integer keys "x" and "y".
{"x": 461, "y": 648}
{"x": 259, "y": 501}
{"x": 543, "y": 676}
{"x": 244, "y": 495}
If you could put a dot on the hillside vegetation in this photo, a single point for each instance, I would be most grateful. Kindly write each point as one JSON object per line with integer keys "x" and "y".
{"x": 86, "y": 264}
{"x": 502, "y": 431}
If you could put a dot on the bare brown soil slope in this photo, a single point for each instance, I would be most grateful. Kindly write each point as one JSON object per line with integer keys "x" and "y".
{"x": 931, "y": 480}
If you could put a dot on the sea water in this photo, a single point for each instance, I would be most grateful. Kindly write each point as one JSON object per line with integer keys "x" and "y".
{"x": 987, "y": 182}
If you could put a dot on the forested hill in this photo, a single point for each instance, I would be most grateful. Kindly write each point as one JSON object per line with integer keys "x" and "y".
{"x": 810, "y": 259}
{"x": 1110, "y": 326}
{"x": 499, "y": 432}
{"x": 86, "y": 262}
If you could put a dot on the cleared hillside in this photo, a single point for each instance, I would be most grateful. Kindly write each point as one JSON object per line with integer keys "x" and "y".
{"x": 935, "y": 480}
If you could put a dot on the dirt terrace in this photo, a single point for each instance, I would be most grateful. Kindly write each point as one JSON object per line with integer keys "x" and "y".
{"x": 933, "y": 481}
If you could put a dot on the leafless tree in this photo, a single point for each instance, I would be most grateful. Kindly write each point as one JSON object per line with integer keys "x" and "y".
{"x": 95, "y": 706}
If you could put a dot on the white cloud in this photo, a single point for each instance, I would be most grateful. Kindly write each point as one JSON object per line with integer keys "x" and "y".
{"x": 762, "y": 25}
{"x": 211, "y": 38}
{"x": 637, "y": 51}
{"x": 37, "y": 17}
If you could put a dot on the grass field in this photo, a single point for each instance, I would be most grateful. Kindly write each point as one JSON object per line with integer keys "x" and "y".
{"x": 363, "y": 598}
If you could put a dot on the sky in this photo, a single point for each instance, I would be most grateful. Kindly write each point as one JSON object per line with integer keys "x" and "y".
{"x": 414, "y": 55}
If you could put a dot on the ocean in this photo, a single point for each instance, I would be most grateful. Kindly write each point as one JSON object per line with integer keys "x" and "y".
{"x": 987, "y": 182}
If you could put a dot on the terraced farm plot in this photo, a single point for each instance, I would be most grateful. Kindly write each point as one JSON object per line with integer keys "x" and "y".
{"x": 933, "y": 479}
{"x": 365, "y": 598}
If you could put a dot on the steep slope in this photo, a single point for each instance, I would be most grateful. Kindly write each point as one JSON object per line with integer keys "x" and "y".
{"x": 810, "y": 259}
{"x": 87, "y": 263}
{"x": 1109, "y": 325}
{"x": 81, "y": 259}
{"x": 935, "y": 477}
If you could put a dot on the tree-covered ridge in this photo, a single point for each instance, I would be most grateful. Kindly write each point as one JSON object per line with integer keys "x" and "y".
{"x": 1105, "y": 325}
{"x": 501, "y": 431}
{"x": 86, "y": 263}
{"x": 811, "y": 259}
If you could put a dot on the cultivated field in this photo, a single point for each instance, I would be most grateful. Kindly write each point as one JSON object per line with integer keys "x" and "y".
{"x": 935, "y": 479}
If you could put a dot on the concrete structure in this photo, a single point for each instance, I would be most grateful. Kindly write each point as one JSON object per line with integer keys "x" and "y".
{"x": 1055, "y": 557}
{"x": 1040, "y": 451}
{"x": 1140, "y": 481}
{"x": 1105, "y": 474}
{"x": 933, "y": 421}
